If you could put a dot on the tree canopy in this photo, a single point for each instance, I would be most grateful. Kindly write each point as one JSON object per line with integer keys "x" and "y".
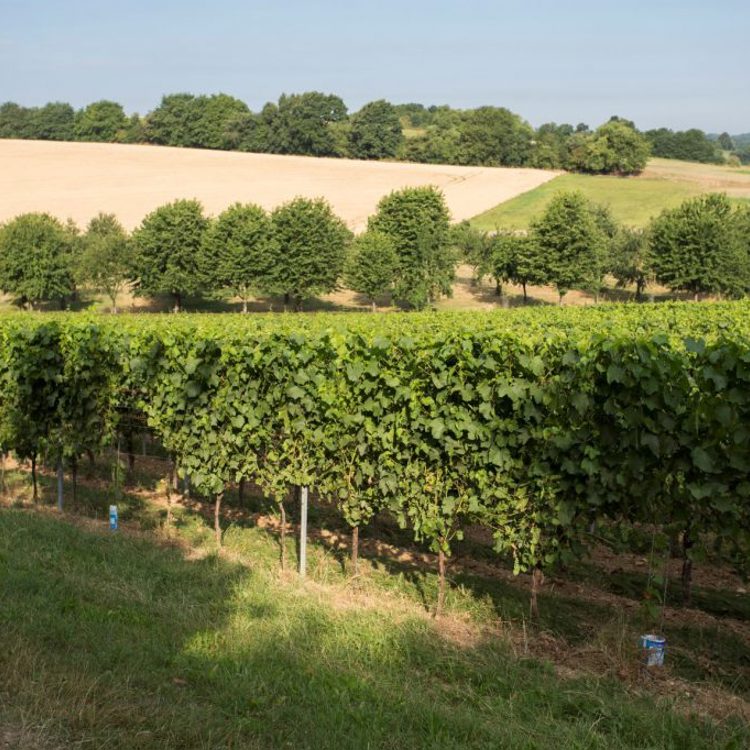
{"x": 241, "y": 250}
{"x": 375, "y": 131}
{"x": 570, "y": 243}
{"x": 417, "y": 221}
{"x": 168, "y": 246}
{"x": 36, "y": 259}
{"x": 310, "y": 243}
{"x": 697, "y": 247}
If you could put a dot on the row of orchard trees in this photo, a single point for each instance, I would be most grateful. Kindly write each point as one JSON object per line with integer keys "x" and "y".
{"x": 299, "y": 250}
{"x": 409, "y": 251}
{"x": 443, "y": 423}
{"x": 318, "y": 124}
{"x": 700, "y": 247}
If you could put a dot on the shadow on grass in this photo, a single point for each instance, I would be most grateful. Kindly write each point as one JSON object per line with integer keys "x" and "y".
{"x": 110, "y": 641}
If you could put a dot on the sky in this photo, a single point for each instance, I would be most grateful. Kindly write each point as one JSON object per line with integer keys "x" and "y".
{"x": 660, "y": 63}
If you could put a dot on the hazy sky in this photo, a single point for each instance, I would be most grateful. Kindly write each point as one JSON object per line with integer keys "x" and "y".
{"x": 660, "y": 62}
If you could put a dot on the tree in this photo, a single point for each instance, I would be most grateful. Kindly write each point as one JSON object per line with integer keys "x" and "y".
{"x": 300, "y": 124}
{"x": 726, "y": 142}
{"x": 15, "y": 120}
{"x": 630, "y": 261}
{"x": 476, "y": 248}
{"x": 417, "y": 221}
{"x": 494, "y": 136}
{"x": 212, "y": 118}
{"x": 516, "y": 258}
{"x": 101, "y": 121}
{"x": 687, "y": 145}
{"x": 311, "y": 243}
{"x": 614, "y": 147}
{"x": 375, "y": 131}
{"x": 52, "y": 122}
{"x": 168, "y": 247}
{"x": 569, "y": 241}
{"x": 36, "y": 258}
{"x": 371, "y": 265}
{"x": 240, "y": 244}
{"x": 696, "y": 248}
{"x": 170, "y": 124}
{"x": 106, "y": 258}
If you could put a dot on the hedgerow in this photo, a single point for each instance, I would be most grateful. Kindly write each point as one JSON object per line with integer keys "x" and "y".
{"x": 535, "y": 424}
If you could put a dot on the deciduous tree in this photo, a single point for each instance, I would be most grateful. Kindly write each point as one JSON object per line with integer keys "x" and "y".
{"x": 168, "y": 246}
{"x": 311, "y": 243}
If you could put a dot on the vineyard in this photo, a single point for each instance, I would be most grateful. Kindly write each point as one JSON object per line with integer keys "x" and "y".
{"x": 537, "y": 425}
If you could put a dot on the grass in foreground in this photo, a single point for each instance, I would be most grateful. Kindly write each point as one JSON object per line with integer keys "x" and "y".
{"x": 130, "y": 641}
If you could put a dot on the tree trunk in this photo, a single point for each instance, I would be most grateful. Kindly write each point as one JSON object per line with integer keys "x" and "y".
{"x": 283, "y": 536}
{"x": 113, "y": 298}
{"x": 687, "y": 569}
{"x": 498, "y": 288}
{"x": 170, "y": 481}
{"x": 217, "y": 517}
{"x": 177, "y": 302}
{"x": 537, "y": 580}
{"x": 74, "y": 477}
{"x": 441, "y": 584}
{"x": 244, "y": 304}
{"x": 373, "y": 306}
{"x": 92, "y": 460}
{"x": 696, "y": 298}
{"x": 241, "y": 493}
{"x": 355, "y": 550}
{"x": 33, "y": 477}
{"x": 525, "y": 294}
{"x": 562, "y": 294}
{"x": 639, "y": 287}
{"x": 130, "y": 448}
{"x": 2, "y": 473}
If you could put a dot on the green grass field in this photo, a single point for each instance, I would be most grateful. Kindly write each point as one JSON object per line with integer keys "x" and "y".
{"x": 139, "y": 640}
{"x": 632, "y": 200}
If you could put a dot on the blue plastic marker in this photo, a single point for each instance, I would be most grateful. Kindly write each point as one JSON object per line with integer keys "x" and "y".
{"x": 113, "y": 518}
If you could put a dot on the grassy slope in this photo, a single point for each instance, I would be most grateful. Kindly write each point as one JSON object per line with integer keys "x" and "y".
{"x": 121, "y": 641}
{"x": 633, "y": 200}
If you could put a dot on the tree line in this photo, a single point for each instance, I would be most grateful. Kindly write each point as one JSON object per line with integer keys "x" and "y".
{"x": 535, "y": 426}
{"x": 299, "y": 250}
{"x": 318, "y": 124}
{"x": 408, "y": 253}
{"x": 702, "y": 247}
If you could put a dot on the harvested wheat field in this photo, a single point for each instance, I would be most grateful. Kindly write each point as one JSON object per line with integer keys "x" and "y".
{"x": 77, "y": 180}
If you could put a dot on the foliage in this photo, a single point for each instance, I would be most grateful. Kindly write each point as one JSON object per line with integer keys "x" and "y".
{"x": 496, "y": 137}
{"x": 52, "y": 122}
{"x": 36, "y": 253}
{"x": 371, "y": 265}
{"x": 240, "y": 245}
{"x": 630, "y": 261}
{"x": 101, "y": 121}
{"x": 106, "y": 257}
{"x": 301, "y": 124}
{"x": 375, "y": 131}
{"x": 517, "y": 258}
{"x": 614, "y": 147}
{"x": 475, "y": 246}
{"x": 416, "y": 220}
{"x": 168, "y": 251}
{"x": 570, "y": 243}
{"x": 698, "y": 248}
{"x": 687, "y": 145}
{"x": 533, "y": 424}
{"x": 311, "y": 243}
